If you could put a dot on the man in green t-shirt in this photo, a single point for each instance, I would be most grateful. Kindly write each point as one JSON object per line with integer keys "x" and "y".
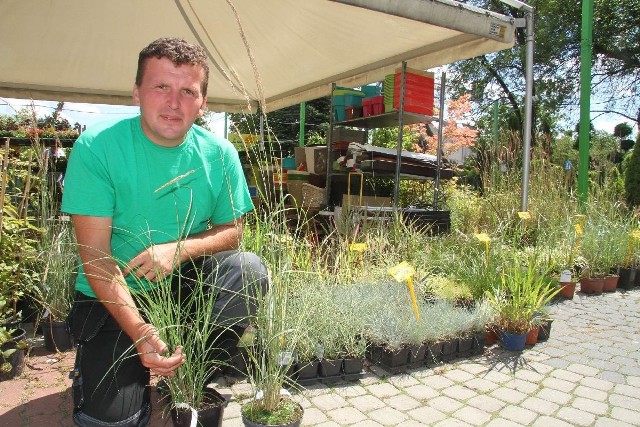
{"x": 151, "y": 196}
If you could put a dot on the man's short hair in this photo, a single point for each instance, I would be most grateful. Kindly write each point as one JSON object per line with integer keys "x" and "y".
{"x": 178, "y": 51}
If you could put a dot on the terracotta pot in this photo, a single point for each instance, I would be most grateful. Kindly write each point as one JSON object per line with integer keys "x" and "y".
{"x": 492, "y": 337}
{"x": 592, "y": 285}
{"x": 610, "y": 283}
{"x": 532, "y": 336}
{"x": 567, "y": 289}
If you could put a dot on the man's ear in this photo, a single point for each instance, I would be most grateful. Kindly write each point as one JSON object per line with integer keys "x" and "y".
{"x": 203, "y": 107}
{"x": 136, "y": 95}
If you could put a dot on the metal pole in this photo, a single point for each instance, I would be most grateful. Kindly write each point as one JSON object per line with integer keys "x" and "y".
{"x": 528, "y": 107}
{"x": 436, "y": 191}
{"x": 584, "y": 133}
{"x": 226, "y": 126}
{"x": 396, "y": 188}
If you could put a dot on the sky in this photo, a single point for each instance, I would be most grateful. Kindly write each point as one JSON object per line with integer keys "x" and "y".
{"x": 88, "y": 114}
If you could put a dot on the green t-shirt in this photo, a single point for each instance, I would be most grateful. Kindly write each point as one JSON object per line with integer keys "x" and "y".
{"x": 154, "y": 194}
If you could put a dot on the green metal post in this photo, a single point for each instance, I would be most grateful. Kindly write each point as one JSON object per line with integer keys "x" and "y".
{"x": 496, "y": 109}
{"x": 226, "y": 125}
{"x": 303, "y": 115}
{"x": 585, "y": 103}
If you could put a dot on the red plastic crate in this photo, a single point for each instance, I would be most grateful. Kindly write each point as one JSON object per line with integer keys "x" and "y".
{"x": 377, "y": 105}
{"x": 414, "y": 79}
{"x": 367, "y": 109}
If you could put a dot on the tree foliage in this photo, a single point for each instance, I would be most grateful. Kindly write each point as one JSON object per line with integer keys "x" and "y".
{"x": 615, "y": 67}
{"x": 285, "y": 123}
{"x": 632, "y": 177}
{"x": 455, "y": 134}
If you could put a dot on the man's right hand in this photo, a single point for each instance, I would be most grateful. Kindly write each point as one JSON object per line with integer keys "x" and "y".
{"x": 153, "y": 353}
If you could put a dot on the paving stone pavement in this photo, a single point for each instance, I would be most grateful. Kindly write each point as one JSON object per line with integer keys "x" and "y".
{"x": 586, "y": 374}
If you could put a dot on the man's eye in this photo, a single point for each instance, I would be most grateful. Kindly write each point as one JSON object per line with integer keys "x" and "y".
{"x": 189, "y": 92}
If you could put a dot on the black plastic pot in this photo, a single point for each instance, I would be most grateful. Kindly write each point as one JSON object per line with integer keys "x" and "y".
{"x": 15, "y": 359}
{"x": 307, "y": 372}
{"x": 392, "y": 360}
{"x": 56, "y": 336}
{"x": 627, "y": 277}
{"x": 416, "y": 355}
{"x": 479, "y": 340}
{"x": 545, "y": 330}
{"x": 210, "y": 416}
{"x": 464, "y": 345}
{"x": 449, "y": 349}
{"x": 352, "y": 368}
{"x": 330, "y": 367}
{"x": 433, "y": 355}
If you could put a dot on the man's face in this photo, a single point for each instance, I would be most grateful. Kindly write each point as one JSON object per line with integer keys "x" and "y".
{"x": 170, "y": 100}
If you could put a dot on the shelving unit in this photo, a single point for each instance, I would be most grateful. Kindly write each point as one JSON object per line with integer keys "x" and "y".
{"x": 398, "y": 118}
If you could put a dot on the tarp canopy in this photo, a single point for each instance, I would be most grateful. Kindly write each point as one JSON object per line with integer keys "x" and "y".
{"x": 280, "y": 52}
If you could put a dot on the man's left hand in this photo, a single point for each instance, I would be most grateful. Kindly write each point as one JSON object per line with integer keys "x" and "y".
{"x": 154, "y": 263}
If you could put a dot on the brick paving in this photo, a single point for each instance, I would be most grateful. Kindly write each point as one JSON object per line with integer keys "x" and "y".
{"x": 586, "y": 374}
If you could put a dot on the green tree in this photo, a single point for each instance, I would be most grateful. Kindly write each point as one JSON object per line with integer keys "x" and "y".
{"x": 632, "y": 177}
{"x": 284, "y": 124}
{"x": 622, "y": 131}
{"x": 615, "y": 68}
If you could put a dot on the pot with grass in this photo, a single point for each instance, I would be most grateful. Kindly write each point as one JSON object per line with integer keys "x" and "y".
{"x": 191, "y": 402}
{"x": 525, "y": 289}
{"x": 271, "y": 356}
{"x": 59, "y": 259}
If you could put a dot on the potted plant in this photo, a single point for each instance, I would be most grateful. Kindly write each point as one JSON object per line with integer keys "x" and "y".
{"x": 59, "y": 259}
{"x": 18, "y": 239}
{"x": 277, "y": 335}
{"x": 523, "y": 292}
{"x": 12, "y": 346}
{"x": 189, "y": 324}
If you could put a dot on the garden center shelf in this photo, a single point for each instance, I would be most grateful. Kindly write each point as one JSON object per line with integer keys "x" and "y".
{"x": 408, "y": 99}
{"x": 388, "y": 119}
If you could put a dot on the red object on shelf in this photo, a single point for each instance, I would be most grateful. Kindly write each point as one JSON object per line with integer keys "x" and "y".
{"x": 377, "y": 104}
{"x": 353, "y": 112}
{"x": 418, "y": 92}
{"x": 366, "y": 107}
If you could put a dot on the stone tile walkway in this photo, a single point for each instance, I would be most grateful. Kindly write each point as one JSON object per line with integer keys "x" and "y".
{"x": 586, "y": 374}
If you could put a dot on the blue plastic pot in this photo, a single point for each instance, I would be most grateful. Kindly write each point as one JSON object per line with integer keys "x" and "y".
{"x": 513, "y": 342}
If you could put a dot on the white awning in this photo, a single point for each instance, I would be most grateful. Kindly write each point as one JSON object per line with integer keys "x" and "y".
{"x": 281, "y": 51}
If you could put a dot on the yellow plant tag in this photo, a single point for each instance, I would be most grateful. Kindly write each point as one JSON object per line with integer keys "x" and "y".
{"x": 357, "y": 247}
{"x": 483, "y": 237}
{"x": 404, "y": 272}
{"x": 524, "y": 215}
{"x": 636, "y": 234}
{"x": 579, "y": 229}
